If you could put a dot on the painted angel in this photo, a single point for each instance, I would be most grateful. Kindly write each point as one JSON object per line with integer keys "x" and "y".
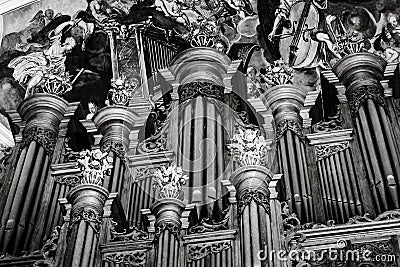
{"x": 30, "y": 69}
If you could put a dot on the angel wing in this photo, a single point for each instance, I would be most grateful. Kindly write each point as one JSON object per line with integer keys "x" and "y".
{"x": 266, "y": 14}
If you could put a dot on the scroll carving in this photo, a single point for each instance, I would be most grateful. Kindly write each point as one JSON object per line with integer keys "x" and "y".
{"x": 68, "y": 180}
{"x": 327, "y": 150}
{"x": 134, "y": 258}
{"x": 45, "y": 137}
{"x": 49, "y": 249}
{"x": 199, "y": 251}
{"x": 133, "y": 234}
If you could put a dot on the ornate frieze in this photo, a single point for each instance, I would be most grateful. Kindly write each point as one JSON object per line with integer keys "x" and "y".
{"x": 326, "y": 150}
{"x": 88, "y": 215}
{"x": 291, "y": 125}
{"x": 134, "y": 258}
{"x": 47, "y": 138}
{"x": 387, "y": 215}
{"x": 94, "y": 165}
{"x": 191, "y": 90}
{"x": 357, "y": 95}
{"x": 249, "y": 147}
{"x": 202, "y": 250}
{"x": 169, "y": 181}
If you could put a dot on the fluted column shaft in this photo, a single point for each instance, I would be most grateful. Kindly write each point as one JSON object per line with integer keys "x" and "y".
{"x": 258, "y": 232}
{"x": 41, "y": 115}
{"x": 361, "y": 74}
{"x": 87, "y": 204}
{"x": 168, "y": 212}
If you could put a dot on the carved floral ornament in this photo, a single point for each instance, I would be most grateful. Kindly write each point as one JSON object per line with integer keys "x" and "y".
{"x": 290, "y": 125}
{"x": 47, "y": 138}
{"x": 191, "y": 90}
{"x": 259, "y": 197}
{"x": 358, "y": 95}
{"x": 169, "y": 181}
{"x": 89, "y": 216}
{"x": 202, "y": 250}
{"x": 94, "y": 165}
{"x": 249, "y": 147}
{"x": 49, "y": 249}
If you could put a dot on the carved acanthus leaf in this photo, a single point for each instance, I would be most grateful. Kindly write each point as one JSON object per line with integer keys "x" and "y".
{"x": 249, "y": 147}
{"x": 115, "y": 146}
{"x": 95, "y": 165}
{"x": 169, "y": 181}
{"x": 259, "y": 197}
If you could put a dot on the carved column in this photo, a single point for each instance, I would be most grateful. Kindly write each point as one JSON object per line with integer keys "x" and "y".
{"x": 168, "y": 224}
{"x": 286, "y": 102}
{"x": 40, "y": 118}
{"x": 258, "y": 232}
{"x": 87, "y": 203}
{"x": 361, "y": 74}
{"x": 167, "y": 210}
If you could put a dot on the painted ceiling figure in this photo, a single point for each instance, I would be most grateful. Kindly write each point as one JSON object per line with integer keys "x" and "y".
{"x": 29, "y": 70}
{"x": 146, "y": 9}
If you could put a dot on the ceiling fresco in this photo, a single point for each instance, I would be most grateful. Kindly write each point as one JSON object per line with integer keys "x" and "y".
{"x": 70, "y": 40}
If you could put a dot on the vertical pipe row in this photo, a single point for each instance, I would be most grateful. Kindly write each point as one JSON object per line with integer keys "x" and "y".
{"x": 294, "y": 168}
{"x": 341, "y": 189}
